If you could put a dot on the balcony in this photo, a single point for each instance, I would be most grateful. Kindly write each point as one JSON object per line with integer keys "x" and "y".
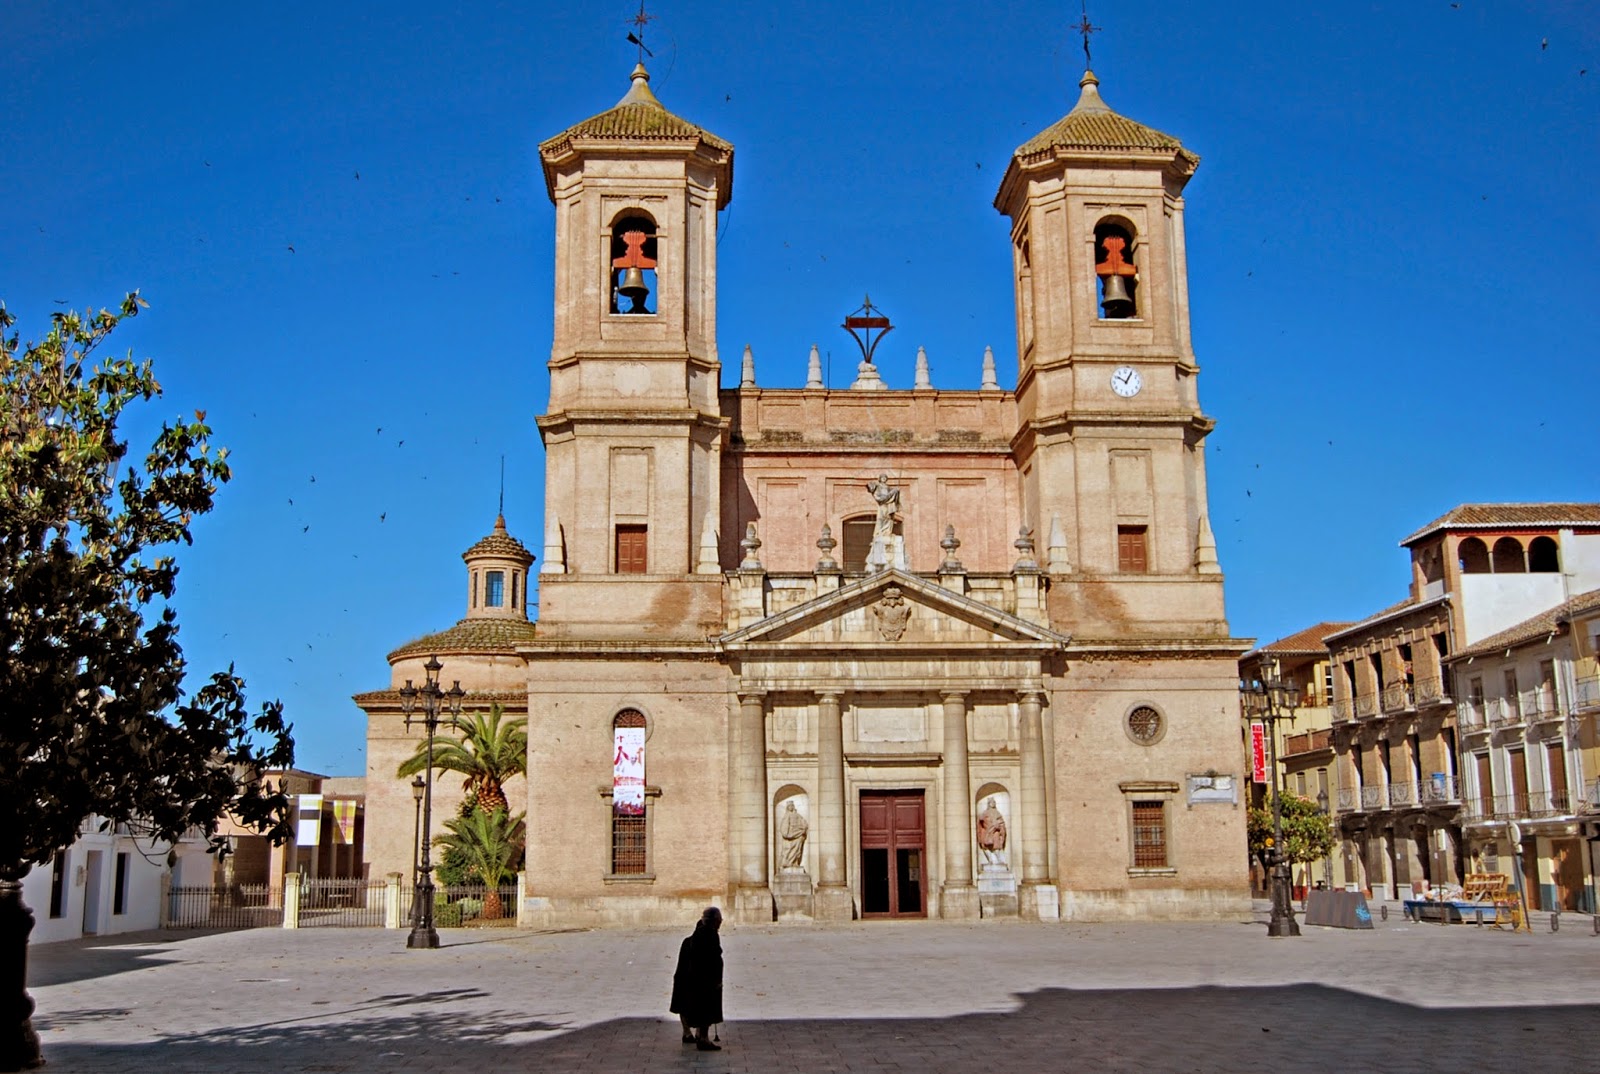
{"x": 1431, "y": 692}
{"x": 1342, "y": 710}
{"x": 1439, "y": 789}
{"x": 1435, "y": 790}
{"x": 1587, "y": 695}
{"x": 1374, "y": 797}
{"x": 1503, "y": 711}
{"x": 1397, "y": 698}
{"x": 1534, "y": 805}
{"x": 1307, "y": 742}
{"x": 1349, "y": 800}
{"x": 1366, "y": 706}
{"x": 1472, "y": 714}
{"x": 1542, "y": 705}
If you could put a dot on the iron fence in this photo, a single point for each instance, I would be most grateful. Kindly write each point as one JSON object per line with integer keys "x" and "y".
{"x": 242, "y": 906}
{"x": 342, "y": 903}
{"x": 468, "y": 906}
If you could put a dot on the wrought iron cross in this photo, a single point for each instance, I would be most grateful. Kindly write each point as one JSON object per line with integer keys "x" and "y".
{"x": 636, "y": 35}
{"x": 1085, "y": 28}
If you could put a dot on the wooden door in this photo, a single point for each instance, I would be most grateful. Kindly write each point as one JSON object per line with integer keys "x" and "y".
{"x": 893, "y": 854}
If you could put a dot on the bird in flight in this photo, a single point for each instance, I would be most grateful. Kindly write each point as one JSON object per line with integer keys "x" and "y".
{"x": 290, "y": 248}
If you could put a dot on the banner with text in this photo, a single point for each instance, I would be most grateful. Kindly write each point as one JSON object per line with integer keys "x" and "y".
{"x": 627, "y": 772}
{"x": 1258, "y": 752}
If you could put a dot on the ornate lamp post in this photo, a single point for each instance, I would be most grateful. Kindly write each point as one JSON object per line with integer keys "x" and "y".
{"x": 417, "y": 787}
{"x": 1270, "y": 700}
{"x": 1327, "y": 864}
{"x": 432, "y": 699}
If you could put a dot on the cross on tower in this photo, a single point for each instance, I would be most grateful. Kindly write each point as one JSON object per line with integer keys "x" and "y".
{"x": 636, "y": 35}
{"x": 1085, "y": 28}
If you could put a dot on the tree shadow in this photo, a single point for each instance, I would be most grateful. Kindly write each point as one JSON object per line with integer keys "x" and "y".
{"x": 103, "y": 956}
{"x": 1300, "y": 1027}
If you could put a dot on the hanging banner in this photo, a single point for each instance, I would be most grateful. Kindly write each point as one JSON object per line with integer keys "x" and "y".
{"x": 627, "y": 772}
{"x": 1258, "y": 753}
{"x": 344, "y": 821}
{"x": 308, "y": 828}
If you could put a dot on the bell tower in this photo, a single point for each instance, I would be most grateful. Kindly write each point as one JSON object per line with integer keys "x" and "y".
{"x": 1110, "y": 428}
{"x": 632, "y": 430}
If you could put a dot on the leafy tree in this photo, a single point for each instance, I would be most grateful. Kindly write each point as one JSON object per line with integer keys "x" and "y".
{"x": 1307, "y": 831}
{"x": 488, "y": 753}
{"x": 97, "y": 725}
{"x": 490, "y": 845}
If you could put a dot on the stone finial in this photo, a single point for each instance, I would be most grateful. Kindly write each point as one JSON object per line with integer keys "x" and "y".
{"x": 923, "y": 380}
{"x": 709, "y": 560}
{"x": 1205, "y": 550}
{"x": 1056, "y": 557}
{"x": 1024, "y": 546}
{"x": 867, "y": 378}
{"x": 555, "y": 556}
{"x": 991, "y": 382}
{"x": 826, "y": 544}
{"x": 751, "y": 544}
{"x": 814, "y": 369}
{"x": 747, "y": 369}
{"x": 950, "y": 542}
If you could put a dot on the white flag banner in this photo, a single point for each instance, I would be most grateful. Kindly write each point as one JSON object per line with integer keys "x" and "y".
{"x": 308, "y": 830}
{"x": 627, "y": 772}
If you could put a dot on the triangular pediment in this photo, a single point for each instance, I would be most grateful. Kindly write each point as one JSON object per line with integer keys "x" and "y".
{"x": 892, "y": 608}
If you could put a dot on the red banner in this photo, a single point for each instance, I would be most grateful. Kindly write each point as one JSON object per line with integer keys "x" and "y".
{"x": 1258, "y": 752}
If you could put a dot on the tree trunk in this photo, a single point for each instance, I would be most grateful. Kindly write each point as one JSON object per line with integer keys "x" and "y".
{"x": 19, "y": 1044}
{"x": 492, "y": 906}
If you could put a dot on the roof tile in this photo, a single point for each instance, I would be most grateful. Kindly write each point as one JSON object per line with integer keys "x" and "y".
{"x": 1496, "y": 515}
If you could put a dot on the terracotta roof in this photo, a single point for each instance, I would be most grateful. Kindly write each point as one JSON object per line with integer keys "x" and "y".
{"x": 1534, "y": 628}
{"x": 472, "y": 636}
{"x": 500, "y": 543}
{"x": 639, "y": 115}
{"x": 1308, "y": 640}
{"x": 1393, "y": 610}
{"x": 1093, "y": 125}
{"x": 1503, "y": 515}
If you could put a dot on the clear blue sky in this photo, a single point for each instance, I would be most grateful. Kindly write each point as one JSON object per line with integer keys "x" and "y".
{"x": 1392, "y": 246}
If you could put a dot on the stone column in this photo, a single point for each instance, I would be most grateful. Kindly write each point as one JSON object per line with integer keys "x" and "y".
{"x": 834, "y": 901}
{"x": 958, "y": 898}
{"x": 753, "y": 899}
{"x": 1038, "y": 897}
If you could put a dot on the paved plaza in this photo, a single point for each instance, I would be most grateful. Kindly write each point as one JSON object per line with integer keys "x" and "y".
{"x": 892, "y": 996}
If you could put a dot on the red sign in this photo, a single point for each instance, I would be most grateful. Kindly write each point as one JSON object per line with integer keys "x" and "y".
{"x": 1258, "y": 752}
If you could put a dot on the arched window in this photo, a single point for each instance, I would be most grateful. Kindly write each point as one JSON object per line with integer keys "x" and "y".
{"x": 1474, "y": 555}
{"x": 1508, "y": 557}
{"x": 1544, "y": 556}
{"x": 628, "y": 846}
{"x": 858, "y": 541}
{"x": 494, "y": 589}
{"x": 633, "y": 265}
{"x": 1115, "y": 269}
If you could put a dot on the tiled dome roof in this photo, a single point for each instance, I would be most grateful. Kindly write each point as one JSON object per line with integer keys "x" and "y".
{"x": 500, "y": 543}
{"x": 471, "y": 636}
{"x": 1093, "y": 125}
{"x": 638, "y": 115}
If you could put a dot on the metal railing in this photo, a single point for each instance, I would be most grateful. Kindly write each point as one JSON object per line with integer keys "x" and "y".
{"x": 1349, "y": 799}
{"x": 1342, "y": 710}
{"x": 1374, "y": 796}
{"x": 342, "y": 903}
{"x": 472, "y": 905}
{"x": 242, "y": 906}
{"x": 1503, "y": 711}
{"x": 1434, "y": 790}
{"x": 1402, "y": 794}
{"x": 1587, "y": 694}
{"x": 1397, "y": 698}
{"x": 1472, "y": 715}
{"x": 1431, "y": 692}
{"x": 1439, "y": 789}
{"x": 1366, "y": 706}
{"x": 1530, "y": 806}
{"x": 1542, "y": 704}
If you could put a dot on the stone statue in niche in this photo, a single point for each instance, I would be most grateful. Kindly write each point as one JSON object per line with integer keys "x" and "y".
{"x": 887, "y": 497}
{"x": 992, "y": 835}
{"x": 891, "y": 613}
{"x": 792, "y": 830}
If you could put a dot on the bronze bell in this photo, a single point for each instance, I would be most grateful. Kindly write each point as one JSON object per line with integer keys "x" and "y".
{"x": 1115, "y": 300}
{"x": 633, "y": 287}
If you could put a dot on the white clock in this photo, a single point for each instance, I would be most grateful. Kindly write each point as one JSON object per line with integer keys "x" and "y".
{"x": 1126, "y": 382}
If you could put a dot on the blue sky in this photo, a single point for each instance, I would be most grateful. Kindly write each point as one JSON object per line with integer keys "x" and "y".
{"x": 1392, "y": 246}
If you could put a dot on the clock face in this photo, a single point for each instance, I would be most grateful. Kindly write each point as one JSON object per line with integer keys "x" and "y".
{"x": 1126, "y": 382}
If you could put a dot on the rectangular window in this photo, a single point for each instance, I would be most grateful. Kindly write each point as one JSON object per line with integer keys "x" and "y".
{"x": 474, "y": 589}
{"x": 1149, "y": 835}
{"x": 494, "y": 588}
{"x": 1322, "y": 782}
{"x": 58, "y": 884}
{"x": 627, "y": 844}
{"x": 1327, "y": 684}
{"x": 1517, "y": 770}
{"x": 632, "y": 546}
{"x": 1485, "y": 786}
{"x": 1547, "y": 686}
{"x": 1132, "y": 552}
{"x": 857, "y": 543}
{"x": 119, "y": 893}
{"x": 513, "y": 589}
{"x": 1300, "y": 784}
{"x": 1556, "y": 755}
{"x": 1513, "y": 701}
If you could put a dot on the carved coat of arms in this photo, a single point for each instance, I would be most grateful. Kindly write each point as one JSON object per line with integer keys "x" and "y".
{"x": 891, "y": 613}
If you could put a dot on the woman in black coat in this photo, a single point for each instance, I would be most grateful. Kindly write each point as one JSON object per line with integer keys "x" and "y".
{"x": 697, "y": 983}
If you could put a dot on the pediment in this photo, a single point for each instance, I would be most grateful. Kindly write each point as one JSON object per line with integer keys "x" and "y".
{"x": 894, "y": 609}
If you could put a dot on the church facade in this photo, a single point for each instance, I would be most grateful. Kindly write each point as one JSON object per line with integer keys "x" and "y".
{"x": 829, "y": 654}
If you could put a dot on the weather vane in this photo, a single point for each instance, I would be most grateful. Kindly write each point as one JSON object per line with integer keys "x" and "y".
{"x": 1083, "y": 28}
{"x": 636, "y": 35}
{"x": 502, "y": 485}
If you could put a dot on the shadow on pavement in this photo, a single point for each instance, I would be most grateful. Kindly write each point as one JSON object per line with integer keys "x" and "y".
{"x": 1300, "y": 1027}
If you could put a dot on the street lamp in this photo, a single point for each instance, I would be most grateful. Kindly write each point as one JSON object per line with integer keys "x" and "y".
{"x": 416, "y": 825}
{"x": 1268, "y": 699}
{"x": 1327, "y": 863}
{"x": 422, "y": 930}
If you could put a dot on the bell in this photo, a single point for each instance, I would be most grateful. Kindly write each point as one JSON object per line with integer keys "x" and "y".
{"x": 633, "y": 287}
{"x": 1115, "y": 299}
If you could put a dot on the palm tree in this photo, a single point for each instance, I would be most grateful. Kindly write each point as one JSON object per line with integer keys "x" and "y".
{"x": 488, "y": 753}
{"x": 491, "y": 845}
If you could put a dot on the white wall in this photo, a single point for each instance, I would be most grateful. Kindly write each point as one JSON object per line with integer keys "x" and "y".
{"x": 146, "y": 864}
{"x": 1492, "y": 602}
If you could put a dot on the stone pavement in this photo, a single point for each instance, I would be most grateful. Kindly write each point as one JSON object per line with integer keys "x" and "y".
{"x": 880, "y": 996}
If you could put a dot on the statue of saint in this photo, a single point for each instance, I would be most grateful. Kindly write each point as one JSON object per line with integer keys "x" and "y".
{"x": 792, "y": 830}
{"x": 887, "y": 497}
{"x": 992, "y": 834}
